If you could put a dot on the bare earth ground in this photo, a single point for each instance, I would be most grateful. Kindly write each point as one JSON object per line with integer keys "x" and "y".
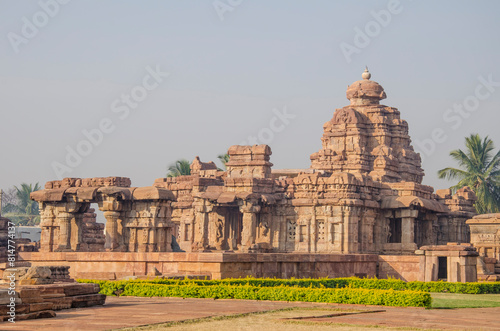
{"x": 129, "y": 312}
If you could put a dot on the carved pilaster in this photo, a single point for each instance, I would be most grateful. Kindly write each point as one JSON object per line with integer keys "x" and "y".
{"x": 249, "y": 211}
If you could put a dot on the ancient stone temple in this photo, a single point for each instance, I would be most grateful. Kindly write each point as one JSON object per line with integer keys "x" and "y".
{"x": 137, "y": 219}
{"x": 362, "y": 194}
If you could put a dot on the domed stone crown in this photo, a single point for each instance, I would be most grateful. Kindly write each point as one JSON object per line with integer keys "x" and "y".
{"x": 365, "y": 91}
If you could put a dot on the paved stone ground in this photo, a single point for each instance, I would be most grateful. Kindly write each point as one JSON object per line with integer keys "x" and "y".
{"x": 130, "y": 311}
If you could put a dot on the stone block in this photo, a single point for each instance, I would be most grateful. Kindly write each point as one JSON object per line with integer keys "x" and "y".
{"x": 21, "y": 308}
{"x": 32, "y": 300}
{"x": 27, "y": 292}
{"x": 60, "y": 302}
{"x": 87, "y": 300}
{"x": 39, "y": 306}
{"x": 54, "y": 290}
{"x": 80, "y": 289}
{"x": 37, "y": 272}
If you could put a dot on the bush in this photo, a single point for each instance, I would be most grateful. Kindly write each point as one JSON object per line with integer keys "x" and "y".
{"x": 186, "y": 289}
{"x": 283, "y": 293}
{"x": 331, "y": 283}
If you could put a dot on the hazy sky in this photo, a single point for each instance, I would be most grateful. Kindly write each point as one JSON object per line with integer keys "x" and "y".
{"x": 235, "y": 69}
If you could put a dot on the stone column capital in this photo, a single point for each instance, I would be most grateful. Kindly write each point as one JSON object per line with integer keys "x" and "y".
{"x": 249, "y": 207}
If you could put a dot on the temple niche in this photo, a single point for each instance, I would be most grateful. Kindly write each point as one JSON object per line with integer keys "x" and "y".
{"x": 363, "y": 193}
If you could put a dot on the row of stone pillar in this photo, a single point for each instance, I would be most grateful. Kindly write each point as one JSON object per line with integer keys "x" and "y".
{"x": 62, "y": 227}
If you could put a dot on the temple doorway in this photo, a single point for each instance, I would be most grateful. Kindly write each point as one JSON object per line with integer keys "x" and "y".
{"x": 442, "y": 268}
{"x": 234, "y": 227}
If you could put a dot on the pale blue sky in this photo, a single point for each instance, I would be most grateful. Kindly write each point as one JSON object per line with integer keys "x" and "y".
{"x": 227, "y": 76}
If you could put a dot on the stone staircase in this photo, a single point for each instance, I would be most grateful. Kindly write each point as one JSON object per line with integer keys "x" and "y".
{"x": 497, "y": 268}
{"x": 492, "y": 270}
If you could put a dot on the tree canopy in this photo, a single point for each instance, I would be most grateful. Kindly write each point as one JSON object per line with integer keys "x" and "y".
{"x": 20, "y": 208}
{"x": 179, "y": 168}
{"x": 479, "y": 168}
{"x": 223, "y": 158}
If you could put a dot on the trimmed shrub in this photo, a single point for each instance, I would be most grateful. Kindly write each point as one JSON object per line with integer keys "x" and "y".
{"x": 283, "y": 293}
{"x": 352, "y": 282}
{"x": 279, "y": 293}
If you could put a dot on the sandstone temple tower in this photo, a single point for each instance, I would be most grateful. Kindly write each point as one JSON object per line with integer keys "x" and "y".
{"x": 362, "y": 194}
{"x": 368, "y": 138}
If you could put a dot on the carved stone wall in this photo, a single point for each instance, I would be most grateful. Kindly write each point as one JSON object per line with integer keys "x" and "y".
{"x": 485, "y": 235}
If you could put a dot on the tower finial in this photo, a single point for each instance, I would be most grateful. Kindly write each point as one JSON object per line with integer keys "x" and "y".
{"x": 366, "y": 74}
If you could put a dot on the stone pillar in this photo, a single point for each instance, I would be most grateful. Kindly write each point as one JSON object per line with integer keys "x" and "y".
{"x": 408, "y": 217}
{"x": 76, "y": 231}
{"x": 249, "y": 211}
{"x": 408, "y": 234}
{"x": 112, "y": 237}
{"x": 248, "y": 233}
{"x": 48, "y": 224}
{"x": 64, "y": 220}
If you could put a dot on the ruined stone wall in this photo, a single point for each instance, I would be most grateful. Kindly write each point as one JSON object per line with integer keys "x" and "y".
{"x": 93, "y": 237}
{"x": 485, "y": 236}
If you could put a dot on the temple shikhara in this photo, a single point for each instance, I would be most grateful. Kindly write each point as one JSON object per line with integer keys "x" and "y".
{"x": 361, "y": 204}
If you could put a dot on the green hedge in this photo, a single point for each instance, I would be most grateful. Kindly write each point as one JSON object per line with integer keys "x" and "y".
{"x": 352, "y": 282}
{"x": 281, "y": 293}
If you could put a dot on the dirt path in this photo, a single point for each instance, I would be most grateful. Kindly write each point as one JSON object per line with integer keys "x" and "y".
{"x": 129, "y": 312}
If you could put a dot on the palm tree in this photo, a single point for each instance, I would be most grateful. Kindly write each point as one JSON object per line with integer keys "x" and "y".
{"x": 223, "y": 158}
{"x": 480, "y": 170}
{"x": 24, "y": 211}
{"x": 179, "y": 168}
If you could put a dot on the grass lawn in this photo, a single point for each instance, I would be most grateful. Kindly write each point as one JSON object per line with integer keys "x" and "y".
{"x": 455, "y": 300}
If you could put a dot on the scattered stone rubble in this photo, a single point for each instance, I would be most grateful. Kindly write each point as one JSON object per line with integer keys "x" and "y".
{"x": 42, "y": 300}
{"x": 40, "y": 290}
{"x": 21, "y": 245}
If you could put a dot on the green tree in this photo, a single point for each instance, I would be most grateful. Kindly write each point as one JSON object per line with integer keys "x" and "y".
{"x": 479, "y": 168}
{"x": 223, "y": 158}
{"x": 23, "y": 210}
{"x": 179, "y": 168}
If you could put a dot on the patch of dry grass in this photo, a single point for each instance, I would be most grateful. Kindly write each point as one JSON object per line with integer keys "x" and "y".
{"x": 276, "y": 320}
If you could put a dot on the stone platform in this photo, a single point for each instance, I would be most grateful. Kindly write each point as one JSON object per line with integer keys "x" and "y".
{"x": 116, "y": 265}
